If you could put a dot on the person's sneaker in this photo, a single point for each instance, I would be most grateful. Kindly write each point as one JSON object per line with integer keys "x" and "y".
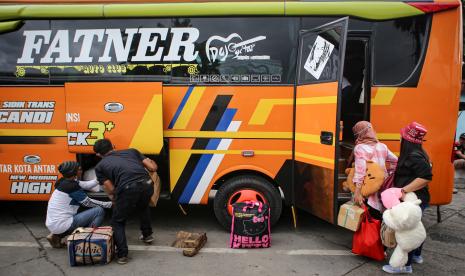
{"x": 397, "y": 270}
{"x": 122, "y": 260}
{"x": 454, "y": 190}
{"x": 54, "y": 240}
{"x": 148, "y": 239}
{"x": 417, "y": 259}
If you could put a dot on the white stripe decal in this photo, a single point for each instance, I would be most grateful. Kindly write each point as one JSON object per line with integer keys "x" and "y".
{"x": 172, "y": 249}
{"x": 18, "y": 244}
{"x": 315, "y": 252}
{"x": 215, "y": 250}
{"x": 213, "y": 165}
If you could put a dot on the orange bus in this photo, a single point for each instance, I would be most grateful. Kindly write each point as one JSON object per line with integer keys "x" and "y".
{"x": 241, "y": 98}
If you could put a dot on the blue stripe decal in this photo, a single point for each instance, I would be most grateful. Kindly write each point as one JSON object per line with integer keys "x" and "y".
{"x": 226, "y": 120}
{"x": 202, "y": 165}
{"x": 180, "y": 107}
{"x": 223, "y": 125}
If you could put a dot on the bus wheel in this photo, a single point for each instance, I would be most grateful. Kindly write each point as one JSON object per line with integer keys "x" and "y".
{"x": 244, "y": 188}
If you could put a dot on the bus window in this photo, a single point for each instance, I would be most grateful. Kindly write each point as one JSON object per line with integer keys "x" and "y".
{"x": 323, "y": 56}
{"x": 399, "y": 50}
{"x": 9, "y": 42}
{"x": 120, "y": 50}
{"x": 241, "y": 51}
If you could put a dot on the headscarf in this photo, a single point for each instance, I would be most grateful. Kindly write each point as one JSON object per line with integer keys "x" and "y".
{"x": 364, "y": 133}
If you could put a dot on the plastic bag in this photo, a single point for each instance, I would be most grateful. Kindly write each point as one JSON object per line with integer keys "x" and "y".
{"x": 156, "y": 189}
{"x": 367, "y": 240}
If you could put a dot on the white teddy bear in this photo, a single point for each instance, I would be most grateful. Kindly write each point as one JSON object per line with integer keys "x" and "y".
{"x": 405, "y": 219}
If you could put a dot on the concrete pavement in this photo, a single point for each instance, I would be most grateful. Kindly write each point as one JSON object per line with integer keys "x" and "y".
{"x": 314, "y": 248}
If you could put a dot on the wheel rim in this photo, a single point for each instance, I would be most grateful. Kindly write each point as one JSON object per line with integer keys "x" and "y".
{"x": 244, "y": 195}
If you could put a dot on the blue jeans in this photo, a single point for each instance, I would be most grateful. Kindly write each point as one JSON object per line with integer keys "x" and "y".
{"x": 92, "y": 217}
{"x": 416, "y": 252}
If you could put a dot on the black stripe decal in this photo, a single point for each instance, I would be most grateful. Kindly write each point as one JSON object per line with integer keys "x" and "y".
{"x": 11, "y": 140}
{"x": 213, "y": 118}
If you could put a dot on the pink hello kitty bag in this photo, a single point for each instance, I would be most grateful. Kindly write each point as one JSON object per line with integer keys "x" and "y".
{"x": 250, "y": 226}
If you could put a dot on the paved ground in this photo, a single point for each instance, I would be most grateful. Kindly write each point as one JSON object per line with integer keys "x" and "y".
{"x": 314, "y": 248}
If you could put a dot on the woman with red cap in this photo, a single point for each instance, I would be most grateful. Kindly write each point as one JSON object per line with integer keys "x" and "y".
{"x": 368, "y": 148}
{"x": 413, "y": 174}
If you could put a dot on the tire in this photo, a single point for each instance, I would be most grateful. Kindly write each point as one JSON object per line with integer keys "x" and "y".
{"x": 235, "y": 186}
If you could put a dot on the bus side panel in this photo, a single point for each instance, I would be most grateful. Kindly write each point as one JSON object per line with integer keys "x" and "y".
{"x": 21, "y": 178}
{"x": 218, "y": 123}
{"x": 129, "y": 114}
{"x": 33, "y": 141}
{"x": 432, "y": 103}
{"x": 263, "y": 112}
{"x": 194, "y": 171}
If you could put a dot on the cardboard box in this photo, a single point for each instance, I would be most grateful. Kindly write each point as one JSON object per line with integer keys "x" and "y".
{"x": 350, "y": 216}
{"x": 91, "y": 246}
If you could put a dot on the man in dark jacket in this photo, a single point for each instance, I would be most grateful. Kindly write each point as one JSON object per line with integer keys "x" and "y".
{"x": 124, "y": 174}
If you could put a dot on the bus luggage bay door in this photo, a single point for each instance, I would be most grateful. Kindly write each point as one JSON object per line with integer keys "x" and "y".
{"x": 128, "y": 113}
{"x": 319, "y": 75}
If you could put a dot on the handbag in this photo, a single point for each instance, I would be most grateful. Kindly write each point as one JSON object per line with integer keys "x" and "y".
{"x": 388, "y": 183}
{"x": 367, "y": 241}
{"x": 250, "y": 226}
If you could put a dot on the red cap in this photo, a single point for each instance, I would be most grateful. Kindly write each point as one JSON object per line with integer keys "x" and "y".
{"x": 414, "y": 132}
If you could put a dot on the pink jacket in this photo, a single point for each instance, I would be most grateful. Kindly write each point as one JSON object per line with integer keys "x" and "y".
{"x": 378, "y": 153}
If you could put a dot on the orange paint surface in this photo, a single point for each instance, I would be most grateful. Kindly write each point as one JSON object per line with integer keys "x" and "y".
{"x": 89, "y": 100}
{"x": 244, "y": 99}
{"x": 312, "y": 119}
{"x": 22, "y": 181}
{"x": 433, "y": 103}
{"x": 268, "y": 164}
{"x": 31, "y": 97}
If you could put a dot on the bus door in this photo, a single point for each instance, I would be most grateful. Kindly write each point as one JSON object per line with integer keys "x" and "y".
{"x": 129, "y": 114}
{"x": 319, "y": 75}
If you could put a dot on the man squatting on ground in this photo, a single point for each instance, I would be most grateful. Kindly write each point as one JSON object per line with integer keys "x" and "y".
{"x": 62, "y": 210}
{"x": 124, "y": 174}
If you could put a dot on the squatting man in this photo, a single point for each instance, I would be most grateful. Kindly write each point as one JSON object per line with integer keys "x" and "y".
{"x": 62, "y": 211}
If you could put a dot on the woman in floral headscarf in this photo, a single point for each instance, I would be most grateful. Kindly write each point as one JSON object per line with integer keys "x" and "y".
{"x": 368, "y": 148}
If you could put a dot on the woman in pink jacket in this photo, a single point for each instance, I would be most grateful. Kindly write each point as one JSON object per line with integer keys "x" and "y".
{"x": 368, "y": 148}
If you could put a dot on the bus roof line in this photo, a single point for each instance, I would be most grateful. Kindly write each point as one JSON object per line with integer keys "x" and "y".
{"x": 372, "y": 10}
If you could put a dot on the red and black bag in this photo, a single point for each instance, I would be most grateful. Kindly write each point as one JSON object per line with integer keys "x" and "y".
{"x": 250, "y": 226}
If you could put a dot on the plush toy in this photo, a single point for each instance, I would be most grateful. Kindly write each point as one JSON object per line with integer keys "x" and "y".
{"x": 391, "y": 197}
{"x": 373, "y": 180}
{"x": 405, "y": 219}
